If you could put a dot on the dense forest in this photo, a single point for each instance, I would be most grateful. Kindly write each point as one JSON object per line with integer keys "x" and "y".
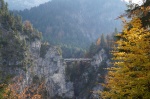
{"x": 24, "y": 4}
{"x": 15, "y": 38}
{"x": 75, "y": 23}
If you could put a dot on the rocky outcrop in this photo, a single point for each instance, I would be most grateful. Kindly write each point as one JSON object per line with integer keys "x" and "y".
{"x": 100, "y": 60}
{"x": 82, "y": 83}
{"x": 99, "y": 57}
{"x": 48, "y": 70}
{"x": 86, "y": 77}
{"x": 23, "y": 71}
{"x": 52, "y": 70}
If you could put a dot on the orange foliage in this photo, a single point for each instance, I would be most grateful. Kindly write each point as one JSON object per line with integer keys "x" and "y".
{"x": 28, "y": 25}
{"x": 13, "y": 91}
{"x": 98, "y": 41}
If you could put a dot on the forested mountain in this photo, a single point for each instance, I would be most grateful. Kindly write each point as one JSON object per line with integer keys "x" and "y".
{"x": 75, "y": 23}
{"x": 116, "y": 65}
{"x": 31, "y": 69}
{"x": 23, "y": 4}
{"x": 16, "y": 39}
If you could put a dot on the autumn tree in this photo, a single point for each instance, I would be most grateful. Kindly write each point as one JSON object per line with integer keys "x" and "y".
{"x": 142, "y": 12}
{"x": 110, "y": 39}
{"x": 130, "y": 75}
{"x": 98, "y": 42}
{"x": 28, "y": 25}
{"x": 14, "y": 90}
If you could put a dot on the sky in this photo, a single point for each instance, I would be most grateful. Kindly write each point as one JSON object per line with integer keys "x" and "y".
{"x": 134, "y": 1}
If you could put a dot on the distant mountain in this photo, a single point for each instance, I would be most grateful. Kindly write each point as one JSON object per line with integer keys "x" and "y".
{"x": 24, "y": 4}
{"x": 75, "y": 22}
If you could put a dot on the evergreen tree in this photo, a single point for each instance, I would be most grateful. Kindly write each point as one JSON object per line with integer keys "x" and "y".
{"x": 108, "y": 42}
{"x": 102, "y": 42}
{"x": 92, "y": 50}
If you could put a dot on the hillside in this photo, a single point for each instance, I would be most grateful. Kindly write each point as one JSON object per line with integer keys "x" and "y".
{"x": 75, "y": 23}
{"x": 23, "y": 4}
{"x": 116, "y": 66}
{"x": 32, "y": 69}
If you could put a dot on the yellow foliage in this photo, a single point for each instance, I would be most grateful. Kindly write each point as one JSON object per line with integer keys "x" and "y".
{"x": 130, "y": 76}
{"x": 98, "y": 41}
{"x": 12, "y": 91}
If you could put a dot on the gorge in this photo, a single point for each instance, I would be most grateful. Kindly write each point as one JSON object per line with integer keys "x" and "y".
{"x": 56, "y": 67}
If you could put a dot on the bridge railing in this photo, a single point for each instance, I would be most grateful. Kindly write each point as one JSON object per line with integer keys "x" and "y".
{"x": 78, "y": 59}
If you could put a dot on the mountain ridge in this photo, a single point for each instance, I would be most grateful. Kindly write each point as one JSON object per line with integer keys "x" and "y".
{"x": 75, "y": 23}
{"x": 24, "y": 4}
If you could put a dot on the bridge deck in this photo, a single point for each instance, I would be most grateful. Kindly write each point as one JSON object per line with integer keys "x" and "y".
{"x": 77, "y": 59}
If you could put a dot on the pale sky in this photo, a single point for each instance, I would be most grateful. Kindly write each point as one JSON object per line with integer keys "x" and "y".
{"x": 135, "y": 1}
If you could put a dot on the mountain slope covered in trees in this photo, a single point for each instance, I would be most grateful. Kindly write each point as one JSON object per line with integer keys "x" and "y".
{"x": 75, "y": 23}
{"x": 30, "y": 69}
{"x": 23, "y": 4}
{"x": 15, "y": 55}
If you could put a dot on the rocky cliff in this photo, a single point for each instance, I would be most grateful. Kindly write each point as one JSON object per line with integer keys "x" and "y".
{"x": 86, "y": 77}
{"x": 83, "y": 83}
{"x": 49, "y": 70}
{"x": 22, "y": 68}
{"x": 52, "y": 69}
{"x": 60, "y": 80}
{"x": 30, "y": 69}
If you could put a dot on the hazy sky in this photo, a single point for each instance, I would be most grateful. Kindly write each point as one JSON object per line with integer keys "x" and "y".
{"x": 134, "y": 1}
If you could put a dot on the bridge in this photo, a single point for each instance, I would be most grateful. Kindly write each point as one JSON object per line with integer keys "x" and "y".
{"x": 77, "y": 59}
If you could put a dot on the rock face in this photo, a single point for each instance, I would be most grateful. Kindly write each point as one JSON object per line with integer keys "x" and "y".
{"x": 99, "y": 57}
{"x": 52, "y": 69}
{"x": 49, "y": 71}
{"x": 88, "y": 76}
{"x": 80, "y": 82}
{"x": 100, "y": 62}
{"x": 22, "y": 68}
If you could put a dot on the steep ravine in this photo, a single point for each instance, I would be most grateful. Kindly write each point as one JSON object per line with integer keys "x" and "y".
{"x": 32, "y": 69}
{"x": 60, "y": 80}
{"x": 86, "y": 77}
{"x": 67, "y": 80}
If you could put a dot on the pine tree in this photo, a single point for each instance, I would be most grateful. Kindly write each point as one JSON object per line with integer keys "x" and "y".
{"x": 92, "y": 50}
{"x": 102, "y": 42}
{"x": 129, "y": 78}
